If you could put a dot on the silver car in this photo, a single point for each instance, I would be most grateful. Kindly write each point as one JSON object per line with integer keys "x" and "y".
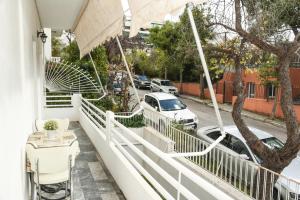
{"x": 235, "y": 145}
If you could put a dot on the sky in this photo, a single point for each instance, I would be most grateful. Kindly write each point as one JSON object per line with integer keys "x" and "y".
{"x": 167, "y": 18}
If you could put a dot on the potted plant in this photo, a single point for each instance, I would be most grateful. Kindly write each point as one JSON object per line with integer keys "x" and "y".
{"x": 51, "y": 126}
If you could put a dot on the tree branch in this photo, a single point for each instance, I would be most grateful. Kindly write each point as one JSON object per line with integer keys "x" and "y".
{"x": 249, "y": 37}
{"x": 221, "y": 50}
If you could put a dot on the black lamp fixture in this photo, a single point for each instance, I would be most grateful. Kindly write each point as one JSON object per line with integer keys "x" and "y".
{"x": 42, "y": 35}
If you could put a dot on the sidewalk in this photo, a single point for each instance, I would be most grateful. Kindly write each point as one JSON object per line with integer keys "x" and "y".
{"x": 228, "y": 108}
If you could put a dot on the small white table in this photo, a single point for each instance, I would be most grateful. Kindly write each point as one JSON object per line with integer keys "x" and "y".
{"x": 40, "y": 140}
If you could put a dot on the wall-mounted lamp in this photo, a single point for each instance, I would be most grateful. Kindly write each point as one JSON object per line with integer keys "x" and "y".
{"x": 42, "y": 35}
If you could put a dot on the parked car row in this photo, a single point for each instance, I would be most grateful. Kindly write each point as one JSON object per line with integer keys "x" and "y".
{"x": 155, "y": 85}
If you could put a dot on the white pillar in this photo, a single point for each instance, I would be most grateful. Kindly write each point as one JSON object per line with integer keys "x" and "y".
{"x": 205, "y": 68}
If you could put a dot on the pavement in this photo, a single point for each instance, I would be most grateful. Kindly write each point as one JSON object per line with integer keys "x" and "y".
{"x": 248, "y": 114}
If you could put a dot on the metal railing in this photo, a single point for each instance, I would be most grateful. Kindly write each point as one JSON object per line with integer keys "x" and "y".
{"x": 97, "y": 116}
{"x": 134, "y": 121}
{"x": 58, "y": 101}
{"x": 247, "y": 177}
{"x": 170, "y": 174}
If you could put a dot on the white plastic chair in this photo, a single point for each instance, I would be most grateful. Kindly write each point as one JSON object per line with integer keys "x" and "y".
{"x": 63, "y": 124}
{"x": 52, "y": 165}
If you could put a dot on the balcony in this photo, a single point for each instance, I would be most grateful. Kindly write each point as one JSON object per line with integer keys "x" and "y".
{"x": 136, "y": 158}
{"x": 144, "y": 164}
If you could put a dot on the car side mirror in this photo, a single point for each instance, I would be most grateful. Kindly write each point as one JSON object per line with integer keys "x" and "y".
{"x": 156, "y": 108}
{"x": 244, "y": 156}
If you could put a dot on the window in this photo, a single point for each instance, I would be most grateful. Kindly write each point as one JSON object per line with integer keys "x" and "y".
{"x": 271, "y": 90}
{"x": 214, "y": 135}
{"x": 151, "y": 101}
{"x": 155, "y": 104}
{"x": 251, "y": 90}
{"x": 171, "y": 105}
{"x": 148, "y": 99}
{"x": 273, "y": 143}
{"x": 155, "y": 82}
{"x": 166, "y": 83}
{"x": 239, "y": 147}
{"x": 143, "y": 78}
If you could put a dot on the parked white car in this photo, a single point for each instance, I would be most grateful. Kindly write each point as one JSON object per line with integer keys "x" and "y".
{"x": 159, "y": 85}
{"x": 167, "y": 106}
{"x": 235, "y": 145}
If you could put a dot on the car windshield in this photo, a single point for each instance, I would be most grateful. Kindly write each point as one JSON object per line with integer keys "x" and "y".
{"x": 273, "y": 143}
{"x": 171, "y": 105}
{"x": 143, "y": 78}
{"x": 166, "y": 83}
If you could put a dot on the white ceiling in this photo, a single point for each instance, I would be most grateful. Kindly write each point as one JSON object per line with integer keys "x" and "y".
{"x": 59, "y": 14}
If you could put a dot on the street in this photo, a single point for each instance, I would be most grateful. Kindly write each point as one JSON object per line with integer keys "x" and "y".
{"x": 207, "y": 117}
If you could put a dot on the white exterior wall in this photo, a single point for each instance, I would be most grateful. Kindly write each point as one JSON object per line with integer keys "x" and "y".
{"x": 21, "y": 89}
{"x": 48, "y": 45}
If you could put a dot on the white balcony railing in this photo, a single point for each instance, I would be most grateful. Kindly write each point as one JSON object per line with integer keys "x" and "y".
{"x": 245, "y": 176}
{"x": 168, "y": 177}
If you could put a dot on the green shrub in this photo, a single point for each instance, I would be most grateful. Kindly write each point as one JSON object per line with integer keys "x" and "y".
{"x": 51, "y": 125}
{"x": 134, "y": 122}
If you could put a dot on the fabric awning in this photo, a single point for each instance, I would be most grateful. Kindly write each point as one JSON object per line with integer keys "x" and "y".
{"x": 143, "y": 12}
{"x": 103, "y": 19}
{"x": 99, "y": 21}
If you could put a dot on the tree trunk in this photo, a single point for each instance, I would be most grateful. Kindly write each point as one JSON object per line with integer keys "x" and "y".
{"x": 292, "y": 145}
{"x": 255, "y": 144}
{"x": 202, "y": 95}
{"x": 274, "y": 104}
{"x": 166, "y": 72}
{"x": 180, "y": 80}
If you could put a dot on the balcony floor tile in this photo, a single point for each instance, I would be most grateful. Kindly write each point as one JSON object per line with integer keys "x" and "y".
{"x": 91, "y": 178}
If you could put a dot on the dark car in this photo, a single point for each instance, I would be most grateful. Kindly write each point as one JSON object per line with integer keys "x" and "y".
{"x": 141, "y": 81}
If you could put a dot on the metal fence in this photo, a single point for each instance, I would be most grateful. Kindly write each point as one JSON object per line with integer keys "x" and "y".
{"x": 245, "y": 176}
{"x": 97, "y": 116}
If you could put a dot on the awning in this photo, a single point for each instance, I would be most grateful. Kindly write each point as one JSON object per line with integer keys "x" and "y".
{"x": 103, "y": 19}
{"x": 99, "y": 21}
{"x": 143, "y": 12}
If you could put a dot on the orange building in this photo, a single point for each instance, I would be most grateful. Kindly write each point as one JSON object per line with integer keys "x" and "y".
{"x": 260, "y": 98}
